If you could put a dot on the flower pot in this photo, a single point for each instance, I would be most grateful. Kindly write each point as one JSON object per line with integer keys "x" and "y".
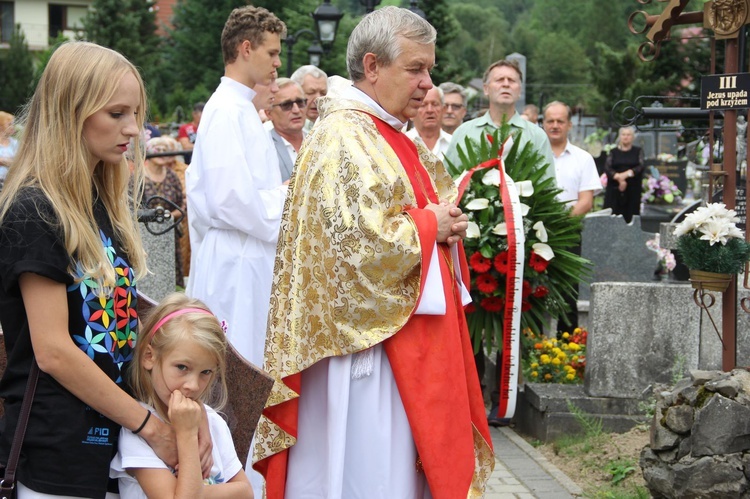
{"x": 710, "y": 281}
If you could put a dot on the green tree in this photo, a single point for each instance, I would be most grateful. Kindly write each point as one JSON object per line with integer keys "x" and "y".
{"x": 127, "y": 26}
{"x": 559, "y": 69}
{"x": 16, "y": 73}
{"x": 439, "y": 15}
{"x": 484, "y": 37}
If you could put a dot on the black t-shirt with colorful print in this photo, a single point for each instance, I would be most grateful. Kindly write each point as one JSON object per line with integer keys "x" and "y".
{"x": 68, "y": 445}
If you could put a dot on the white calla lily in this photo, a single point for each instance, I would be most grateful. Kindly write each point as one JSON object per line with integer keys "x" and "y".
{"x": 478, "y": 204}
{"x": 524, "y": 209}
{"x": 525, "y": 188}
{"x": 543, "y": 250}
{"x": 500, "y": 229}
{"x": 540, "y": 231}
{"x": 492, "y": 177}
{"x": 472, "y": 230}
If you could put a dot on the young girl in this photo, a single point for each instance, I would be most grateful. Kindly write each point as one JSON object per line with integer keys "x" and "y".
{"x": 69, "y": 244}
{"x": 178, "y": 366}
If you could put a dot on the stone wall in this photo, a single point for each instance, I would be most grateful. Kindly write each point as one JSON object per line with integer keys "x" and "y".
{"x": 700, "y": 438}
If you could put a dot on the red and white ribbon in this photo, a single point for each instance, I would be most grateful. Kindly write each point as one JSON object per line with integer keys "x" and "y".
{"x": 510, "y": 355}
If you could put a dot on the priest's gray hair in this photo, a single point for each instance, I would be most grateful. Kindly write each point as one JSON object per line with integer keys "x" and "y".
{"x": 379, "y": 32}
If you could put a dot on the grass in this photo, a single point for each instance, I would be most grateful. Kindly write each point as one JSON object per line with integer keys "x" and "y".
{"x": 589, "y": 449}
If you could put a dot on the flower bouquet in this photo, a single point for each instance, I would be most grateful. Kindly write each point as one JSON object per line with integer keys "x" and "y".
{"x": 667, "y": 261}
{"x": 659, "y": 190}
{"x": 554, "y": 360}
{"x": 712, "y": 246}
{"x": 550, "y": 270}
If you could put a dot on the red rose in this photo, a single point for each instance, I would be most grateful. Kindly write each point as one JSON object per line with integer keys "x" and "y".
{"x": 525, "y": 289}
{"x": 479, "y": 263}
{"x": 501, "y": 262}
{"x": 537, "y": 263}
{"x": 486, "y": 283}
{"x": 525, "y": 305}
{"x": 492, "y": 304}
{"x": 470, "y": 308}
{"x": 540, "y": 292}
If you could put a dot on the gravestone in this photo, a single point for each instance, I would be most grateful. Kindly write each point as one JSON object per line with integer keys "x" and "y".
{"x": 617, "y": 251}
{"x": 673, "y": 170}
{"x": 521, "y": 60}
{"x": 160, "y": 281}
{"x": 641, "y": 333}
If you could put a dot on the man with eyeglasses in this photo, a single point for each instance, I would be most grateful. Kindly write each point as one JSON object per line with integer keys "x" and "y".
{"x": 314, "y": 84}
{"x": 454, "y": 106}
{"x": 427, "y": 124}
{"x": 288, "y": 118}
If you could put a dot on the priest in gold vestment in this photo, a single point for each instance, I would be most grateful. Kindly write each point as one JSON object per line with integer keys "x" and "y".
{"x": 376, "y": 394}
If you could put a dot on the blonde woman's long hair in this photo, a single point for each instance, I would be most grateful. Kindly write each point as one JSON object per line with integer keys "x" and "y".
{"x": 78, "y": 81}
{"x": 200, "y": 327}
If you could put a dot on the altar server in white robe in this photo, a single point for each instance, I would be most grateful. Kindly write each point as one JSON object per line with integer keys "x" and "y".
{"x": 235, "y": 194}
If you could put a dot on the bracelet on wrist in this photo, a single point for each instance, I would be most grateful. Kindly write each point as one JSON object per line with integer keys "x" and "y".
{"x": 143, "y": 425}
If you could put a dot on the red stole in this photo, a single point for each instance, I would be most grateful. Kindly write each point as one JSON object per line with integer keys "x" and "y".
{"x": 432, "y": 357}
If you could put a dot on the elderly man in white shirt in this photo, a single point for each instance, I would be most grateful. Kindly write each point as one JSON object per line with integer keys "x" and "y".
{"x": 428, "y": 124}
{"x": 576, "y": 176}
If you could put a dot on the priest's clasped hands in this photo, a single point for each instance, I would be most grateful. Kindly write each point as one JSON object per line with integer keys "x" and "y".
{"x": 452, "y": 222}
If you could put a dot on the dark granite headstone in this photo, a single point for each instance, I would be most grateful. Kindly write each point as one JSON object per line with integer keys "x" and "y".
{"x": 617, "y": 251}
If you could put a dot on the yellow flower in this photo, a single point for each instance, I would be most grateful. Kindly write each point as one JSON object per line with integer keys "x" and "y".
{"x": 534, "y": 365}
{"x": 570, "y": 376}
{"x": 548, "y": 376}
{"x": 575, "y": 358}
{"x": 534, "y": 374}
{"x": 574, "y": 346}
{"x": 577, "y": 330}
{"x": 566, "y": 335}
{"x": 562, "y": 356}
{"x": 556, "y": 351}
{"x": 556, "y": 361}
{"x": 544, "y": 358}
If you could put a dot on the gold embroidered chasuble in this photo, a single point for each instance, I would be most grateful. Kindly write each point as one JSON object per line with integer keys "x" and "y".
{"x": 349, "y": 261}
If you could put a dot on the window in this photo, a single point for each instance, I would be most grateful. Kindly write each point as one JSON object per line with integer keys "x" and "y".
{"x": 65, "y": 18}
{"x": 6, "y": 21}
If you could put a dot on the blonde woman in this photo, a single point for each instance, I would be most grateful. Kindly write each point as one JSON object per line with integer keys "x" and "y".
{"x": 70, "y": 253}
{"x": 624, "y": 169}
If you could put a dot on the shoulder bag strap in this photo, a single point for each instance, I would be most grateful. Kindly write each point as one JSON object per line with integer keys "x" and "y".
{"x": 9, "y": 481}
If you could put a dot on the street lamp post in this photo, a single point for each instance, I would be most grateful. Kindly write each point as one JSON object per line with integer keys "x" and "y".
{"x": 290, "y": 40}
{"x": 369, "y": 5}
{"x": 327, "y": 19}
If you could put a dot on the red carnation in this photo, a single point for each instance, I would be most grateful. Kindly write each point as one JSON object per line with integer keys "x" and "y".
{"x": 486, "y": 283}
{"x": 525, "y": 289}
{"x": 525, "y": 305}
{"x": 479, "y": 263}
{"x": 501, "y": 262}
{"x": 540, "y": 292}
{"x": 470, "y": 308}
{"x": 492, "y": 304}
{"x": 537, "y": 263}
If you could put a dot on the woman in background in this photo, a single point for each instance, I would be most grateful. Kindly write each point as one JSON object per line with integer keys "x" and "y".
{"x": 624, "y": 169}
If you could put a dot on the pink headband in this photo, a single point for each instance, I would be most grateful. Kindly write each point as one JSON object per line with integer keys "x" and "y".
{"x": 177, "y": 313}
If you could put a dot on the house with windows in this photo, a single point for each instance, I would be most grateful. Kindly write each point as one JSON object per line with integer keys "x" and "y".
{"x": 42, "y": 20}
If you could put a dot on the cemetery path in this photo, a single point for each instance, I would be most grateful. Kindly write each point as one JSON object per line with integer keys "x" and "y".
{"x": 522, "y": 472}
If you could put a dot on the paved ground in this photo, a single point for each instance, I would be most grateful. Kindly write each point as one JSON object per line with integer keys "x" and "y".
{"x": 524, "y": 473}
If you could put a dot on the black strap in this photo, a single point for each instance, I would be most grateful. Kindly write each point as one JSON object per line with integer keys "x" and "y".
{"x": 9, "y": 481}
